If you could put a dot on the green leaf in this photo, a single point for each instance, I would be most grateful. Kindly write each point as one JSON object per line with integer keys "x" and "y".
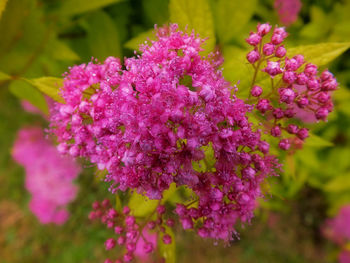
{"x": 12, "y": 22}
{"x": 308, "y": 158}
{"x": 61, "y": 51}
{"x": 2, "y": 6}
{"x": 103, "y": 37}
{"x": 338, "y": 184}
{"x": 194, "y": 14}
{"x": 49, "y": 86}
{"x": 172, "y": 194}
{"x": 141, "y": 205}
{"x": 75, "y": 7}
{"x": 337, "y": 162}
{"x": 320, "y": 54}
{"x": 232, "y": 16}
{"x": 318, "y": 27}
{"x": 237, "y": 68}
{"x": 4, "y": 76}
{"x": 168, "y": 252}
{"x": 341, "y": 97}
{"x": 158, "y": 15}
{"x": 25, "y": 91}
{"x": 316, "y": 141}
{"x": 118, "y": 202}
{"x": 208, "y": 163}
{"x": 135, "y": 42}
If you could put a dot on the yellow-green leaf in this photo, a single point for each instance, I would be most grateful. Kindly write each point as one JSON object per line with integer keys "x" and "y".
{"x": 316, "y": 141}
{"x": 2, "y": 6}
{"x": 61, "y": 51}
{"x": 135, "y": 42}
{"x": 232, "y": 16}
{"x": 195, "y": 14}
{"x": 158, "y": 15}
{"x": 4, "y": 76}
{"x": 338, "y": 183}
{"x": 75, "y": 7}
{"x": 49, "y": 86}
{"x": 237, "y": 68}
{"x": 25, "y": 91}
{"x": 12, "y": 22}
{"x": 172, "y": 194}
{"x": 142, "y": 205}
{"x": 118, "y": 202}
{"x": 100, "y": 175}
{"x": 320, "y": 54}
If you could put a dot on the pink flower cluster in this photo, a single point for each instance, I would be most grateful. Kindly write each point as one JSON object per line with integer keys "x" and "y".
{"x": 138, "y": 239}
{"x": 155, "y": 121}
{"x": 297, "y": 90}
{"x": 338, "y": 230}
{"x": 287, "y": 10}
{"x": 49, "y": 176}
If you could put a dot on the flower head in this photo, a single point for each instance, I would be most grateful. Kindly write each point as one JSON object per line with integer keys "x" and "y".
{"x": 151, "y": 123}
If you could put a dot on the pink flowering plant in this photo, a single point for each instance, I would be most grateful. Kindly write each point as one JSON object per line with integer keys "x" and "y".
{"x": 210, "y": 121}
{"x": 168, "y": 121}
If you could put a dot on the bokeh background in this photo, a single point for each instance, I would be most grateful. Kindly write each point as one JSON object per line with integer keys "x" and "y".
{"x": 44, "y": 37}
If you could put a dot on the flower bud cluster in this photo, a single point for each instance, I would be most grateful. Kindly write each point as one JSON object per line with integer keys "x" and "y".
{"x": 297, "y": 92}
{"x": 139, "y": 239}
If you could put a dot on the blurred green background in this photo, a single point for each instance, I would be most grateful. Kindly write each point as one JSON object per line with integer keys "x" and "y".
{"x": 43, "y": 37}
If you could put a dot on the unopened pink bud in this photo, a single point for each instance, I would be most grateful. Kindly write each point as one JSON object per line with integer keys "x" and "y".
{"x": 303, "y": 133}
{"x": 273, "y": 68}
{"x": 268, "y": 49}
{"x": 256, "y": 91}
{"x": 312, "y": 84}
{"x": 167, "y": 239}
{"x": 284, "y": 144}
{"x": 263, "y": 105}
{"x": 302, "y": 79}
{"x": 302, "y": 102}
{"x": 321, "y": 114}
{"x": 289, "y": 77}
{"x": 310, "y": 69}
{"x": 287, "y": 95}
{"x": 292, "y": 64}
{"x": 326, "y": 75}
{"x": 263, "y": 29}
{"x": 110, "y": 243}
{"x": 278, "y": 113}
{"x": 253, "y": 56}
{"x": 292, "y": 128}
{"x": 323, "y": 97}
{"x": 253, "y": 39}
{"x": 280, "y": 52}
{"x": 276, "y": 131}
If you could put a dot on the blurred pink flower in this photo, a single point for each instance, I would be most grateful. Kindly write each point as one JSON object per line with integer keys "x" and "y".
{"x": 339, "y": 227}
{"x": 49, "y": 176}
{"x": 287, "y": 10}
